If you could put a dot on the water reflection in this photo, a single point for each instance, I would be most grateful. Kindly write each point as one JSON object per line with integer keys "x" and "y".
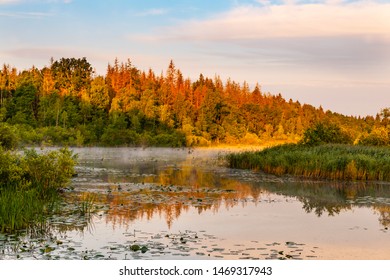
{"x": 168, "y": 183}
{"x": 169, "y": 202}
{"x": 384, "y": 215}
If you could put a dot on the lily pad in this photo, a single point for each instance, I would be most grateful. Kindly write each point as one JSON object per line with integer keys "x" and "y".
{"x": 135, "y": 248}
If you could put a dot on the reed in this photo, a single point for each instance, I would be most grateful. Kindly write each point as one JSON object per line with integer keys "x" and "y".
{"x": 29, "y": 185}
{"x": 19, "y": 209}
{"x": 331, "y": 161}
{"x": 86, "y": 205}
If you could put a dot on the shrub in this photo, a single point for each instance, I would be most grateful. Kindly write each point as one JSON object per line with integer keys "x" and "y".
{"x": 11, "y": 172}
{"x": 323, "y": 133}
{"x": 8, "y": 137}
{"x": 378, "y": 137}
{"x": 49, "y": 171}
{"x": 169, "y": 140}
{"x": 119, "y": 137}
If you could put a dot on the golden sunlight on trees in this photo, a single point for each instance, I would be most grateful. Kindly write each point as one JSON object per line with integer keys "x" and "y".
{"x": 66, "y": 104}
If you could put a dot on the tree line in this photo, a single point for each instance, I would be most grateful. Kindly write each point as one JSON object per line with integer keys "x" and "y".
{"x": 66, "y": 103}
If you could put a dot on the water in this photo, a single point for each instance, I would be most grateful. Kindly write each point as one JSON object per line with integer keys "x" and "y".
{"x": 161, "y": 203}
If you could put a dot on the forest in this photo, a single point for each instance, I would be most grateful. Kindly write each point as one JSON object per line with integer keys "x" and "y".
{"x": 68, "y": 104}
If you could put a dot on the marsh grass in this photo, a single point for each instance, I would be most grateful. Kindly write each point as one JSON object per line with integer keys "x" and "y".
{"x": 86, "y": 206}
{"x": 332, "y": 161}
{"x": 20, "y": 209}
{"x": 29, "y": 185}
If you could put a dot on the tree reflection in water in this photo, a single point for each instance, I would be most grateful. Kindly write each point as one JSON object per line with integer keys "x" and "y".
{"x": 176, "y": 189}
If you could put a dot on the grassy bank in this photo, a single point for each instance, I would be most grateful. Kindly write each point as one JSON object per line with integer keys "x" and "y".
{"x": 29, "y": 184}
{"x": 336, "y": 162}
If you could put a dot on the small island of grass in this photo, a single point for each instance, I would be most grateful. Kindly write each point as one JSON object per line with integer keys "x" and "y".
{"x": 329, "y": 161}
{"x": 324, "y": 153}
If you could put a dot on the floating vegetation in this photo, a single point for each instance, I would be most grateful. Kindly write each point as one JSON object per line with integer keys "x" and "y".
{"x": 370, "y": 200}
{"x": 145, "y": 245}
{"x": 136, "y": 247}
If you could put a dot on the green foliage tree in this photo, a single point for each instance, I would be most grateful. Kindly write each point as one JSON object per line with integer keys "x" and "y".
{"x": 23, "y": 107}
{"x": 71, "y": 75}
{"x": 99, "y": 95}
{"x": 323, "y": 133}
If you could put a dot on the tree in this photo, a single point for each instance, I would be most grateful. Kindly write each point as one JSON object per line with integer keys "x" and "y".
{"x": 23, "y": 107}
{"x": 385, "y": 116}
{"x": 71, "y": 75}
{"x": 379, "y": 136}
{"x": 8, "y": 77}
{"x": 99, "y": 94}
{"x": 65, "y": 99}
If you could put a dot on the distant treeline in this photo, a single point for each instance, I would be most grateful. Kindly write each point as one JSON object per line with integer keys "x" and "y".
{"x": 67, "y": 104}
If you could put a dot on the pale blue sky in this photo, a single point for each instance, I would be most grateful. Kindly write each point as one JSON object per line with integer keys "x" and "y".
{"x": 332, "y": 53}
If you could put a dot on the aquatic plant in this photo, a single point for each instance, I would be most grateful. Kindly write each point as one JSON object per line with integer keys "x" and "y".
{"x": 331, "y": 161}
{"x": 86, "y": 206}
{"x": 29, "y": 185}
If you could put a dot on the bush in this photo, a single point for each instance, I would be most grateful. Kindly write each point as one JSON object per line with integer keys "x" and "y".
{"x": 169, "y": 140}
{"x": 378, "y": 137}
{"x": 29, "y": 183}
{"x": 11, "y": 172}
{"x": 197, "y": 141}
{"x": 49, "y": 171}
{"x": 28, "y": 135}
{"x": 8, "y": 137}
{"x": 323, "y": 133}
{"x": 119, "y": 137}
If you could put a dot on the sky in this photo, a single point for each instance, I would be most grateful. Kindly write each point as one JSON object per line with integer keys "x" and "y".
{"x": 329, "y": 53}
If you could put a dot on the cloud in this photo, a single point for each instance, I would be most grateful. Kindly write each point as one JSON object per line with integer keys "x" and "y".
{"x": 5, "y": 2}
{"x": 27, "y": 15}
{"x": 317, "y": 51}
{"x": 37, "y": 53}
{"x": 339, "y": 36}
{"x": 303, "y": 20}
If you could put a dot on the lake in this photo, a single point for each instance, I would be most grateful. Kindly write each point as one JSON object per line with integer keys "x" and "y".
{"x": 164, "y": 203}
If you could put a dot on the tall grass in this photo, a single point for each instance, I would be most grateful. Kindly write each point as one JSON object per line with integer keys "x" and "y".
{"x": 19, "y": 209}
{"x": 336, "y": 162}
{"x": 29, "y": 185}
{"x": 86, "y": 206}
